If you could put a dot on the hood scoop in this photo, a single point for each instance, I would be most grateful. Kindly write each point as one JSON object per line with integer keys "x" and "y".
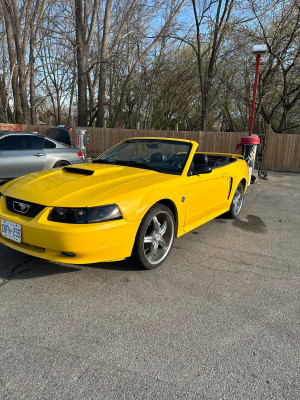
{"x": 79, "y": 171}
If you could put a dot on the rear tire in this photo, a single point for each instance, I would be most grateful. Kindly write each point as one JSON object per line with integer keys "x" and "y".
{"x": 154, "y": 237}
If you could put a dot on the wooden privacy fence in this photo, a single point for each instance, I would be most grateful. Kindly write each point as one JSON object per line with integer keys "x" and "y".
{"x": 281, "y": 151}
{"x": 103, "y": 139}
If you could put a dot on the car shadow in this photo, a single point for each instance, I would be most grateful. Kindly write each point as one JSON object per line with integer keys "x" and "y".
{"x": 123, "y": 265}
{"x": 28, "y": 267}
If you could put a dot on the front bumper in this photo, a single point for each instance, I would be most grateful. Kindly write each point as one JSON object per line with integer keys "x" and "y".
{"x": 106, "y": 241}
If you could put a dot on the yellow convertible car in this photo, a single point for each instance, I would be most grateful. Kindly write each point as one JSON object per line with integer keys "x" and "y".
{"x": 130, "y": 202}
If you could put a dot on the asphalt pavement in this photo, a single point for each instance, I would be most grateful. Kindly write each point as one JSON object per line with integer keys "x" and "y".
{"x": 220, "y": 319}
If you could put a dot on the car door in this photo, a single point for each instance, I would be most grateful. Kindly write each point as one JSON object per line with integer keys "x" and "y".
{"x": 20, "y": 155}
{"x": 207, "y": 195}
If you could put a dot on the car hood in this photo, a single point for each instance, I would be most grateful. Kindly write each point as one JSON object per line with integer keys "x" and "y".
{"x": 81, "y": 185}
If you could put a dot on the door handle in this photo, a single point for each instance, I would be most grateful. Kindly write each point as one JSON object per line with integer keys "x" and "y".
{"x": 38, "y": 154}
{"x": 224, "y": 175}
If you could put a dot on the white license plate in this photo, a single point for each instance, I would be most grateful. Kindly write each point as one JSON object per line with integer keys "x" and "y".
{"x": 11, "y": 231}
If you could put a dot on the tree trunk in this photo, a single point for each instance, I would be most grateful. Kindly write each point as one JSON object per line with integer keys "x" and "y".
{"x": 84, "y": 31}
{"x": 81, "y": 65}
{"x": 2, "y": 102}
{"x": 103, "y": 65}
{"x": 32, "y": 84}
{"x": 70, "y": 117}
{"x": 18, "y": 114}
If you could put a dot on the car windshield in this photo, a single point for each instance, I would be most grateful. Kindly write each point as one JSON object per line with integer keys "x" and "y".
{"x": 166, "y": 156}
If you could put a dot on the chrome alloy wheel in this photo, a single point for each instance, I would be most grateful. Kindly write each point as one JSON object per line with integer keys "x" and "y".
{"x": 237, "y": 200}
{"x": 158, "y": 237}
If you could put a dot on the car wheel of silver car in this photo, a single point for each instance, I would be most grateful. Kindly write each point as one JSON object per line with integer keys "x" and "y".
{"x": 237, "y": 201}
{"x": 154, "y": 238}
{"x": 61, "y": 164}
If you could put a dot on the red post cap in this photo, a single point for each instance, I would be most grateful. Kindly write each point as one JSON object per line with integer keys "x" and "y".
{"x": 250, "y": 140}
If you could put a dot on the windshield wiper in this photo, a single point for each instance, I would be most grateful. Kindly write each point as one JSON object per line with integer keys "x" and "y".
{"x": 136, "y": 164}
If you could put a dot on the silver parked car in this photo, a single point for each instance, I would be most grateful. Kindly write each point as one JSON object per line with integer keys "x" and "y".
{"x": 25, "y": 152}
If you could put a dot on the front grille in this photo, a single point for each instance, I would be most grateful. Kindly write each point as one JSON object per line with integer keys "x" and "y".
{"x": 25, "y": 208}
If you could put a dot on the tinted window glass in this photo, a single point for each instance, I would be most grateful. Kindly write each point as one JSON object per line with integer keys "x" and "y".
{"x": 49, "y": 145}
{"x": 36, "y": 142}
{"x": 21, "y": 142}
{"x": 13, "y": 143}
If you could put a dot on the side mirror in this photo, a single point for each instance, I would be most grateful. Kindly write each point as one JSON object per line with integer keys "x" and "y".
{"x": 200, "y": 169}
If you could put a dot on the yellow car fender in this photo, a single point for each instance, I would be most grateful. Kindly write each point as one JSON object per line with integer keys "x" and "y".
{"x": 176, "y": 199}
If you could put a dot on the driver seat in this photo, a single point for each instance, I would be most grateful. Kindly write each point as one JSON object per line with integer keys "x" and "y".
{"x": 158, "y": 157}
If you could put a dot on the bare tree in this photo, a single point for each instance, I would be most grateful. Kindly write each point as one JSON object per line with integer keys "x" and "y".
{"x": 18, "y": 114}
{"x": 57, "y": 76}
{"x": 207, "y": 48}
{"x": 137, "y": 62}
{"x": 177, "y": 6}
{"x": 106, "y": 52}
{"x": 280, "y": 81}
{"x": 26, "y": 14}
{"x": 85, "y": 16}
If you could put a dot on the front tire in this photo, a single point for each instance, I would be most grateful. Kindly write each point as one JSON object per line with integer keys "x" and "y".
{"x": 237, "y": 202}
{"x": 154, "y": 237}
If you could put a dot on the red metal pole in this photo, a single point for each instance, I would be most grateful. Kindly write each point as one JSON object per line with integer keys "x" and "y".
{"x": 258, "y": 57}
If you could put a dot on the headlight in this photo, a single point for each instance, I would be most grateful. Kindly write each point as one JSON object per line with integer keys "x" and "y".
{"x": 103, "y": 213}
{"x": 87, "y": 215}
